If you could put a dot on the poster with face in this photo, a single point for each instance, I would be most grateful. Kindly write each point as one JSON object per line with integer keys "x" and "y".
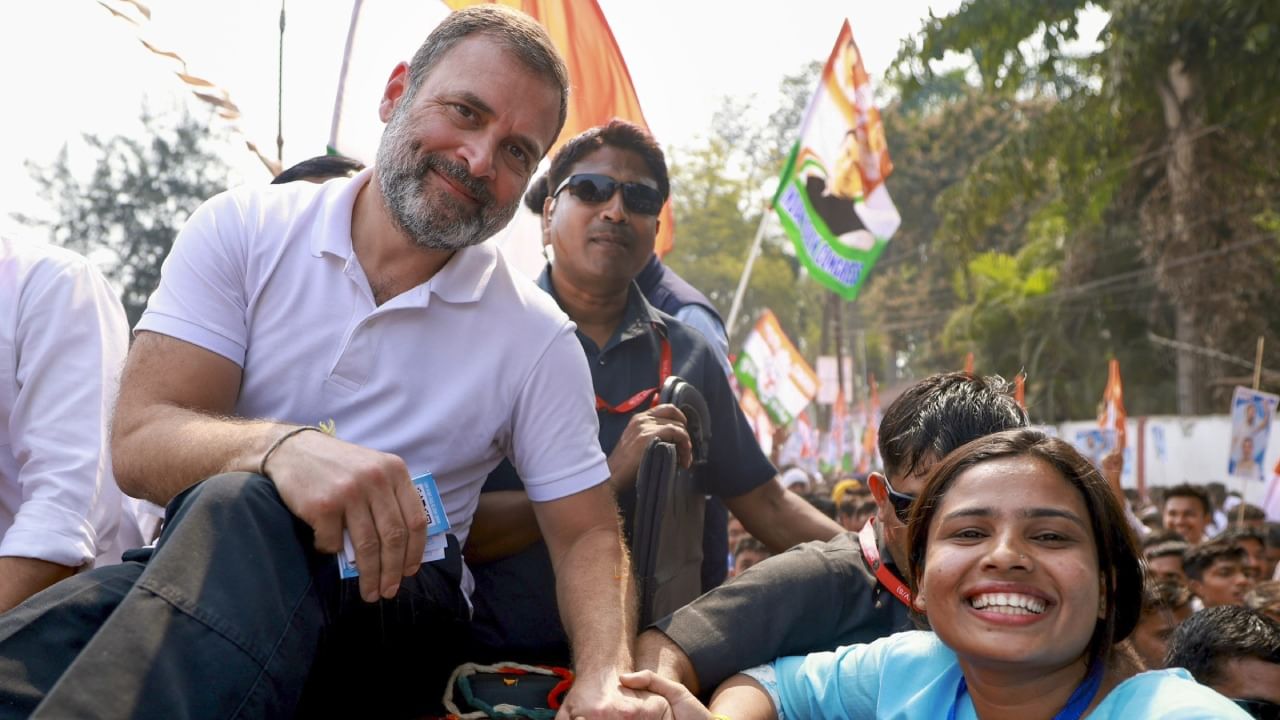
{"x": 1251, "y": 413}
{"x": 1095, "y": 444}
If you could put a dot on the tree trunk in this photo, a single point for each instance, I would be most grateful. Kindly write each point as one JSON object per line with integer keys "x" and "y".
{"x": 1184, "y": 124}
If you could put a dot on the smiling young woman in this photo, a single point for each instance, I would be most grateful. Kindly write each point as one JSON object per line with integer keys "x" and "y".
{"x": 1028, "y": 575}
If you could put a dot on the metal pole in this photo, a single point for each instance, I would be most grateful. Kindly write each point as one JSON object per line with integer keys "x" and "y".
{"x": 280, "y": 94}
{"x": 342, "y": 76}
{"x": 746, "y": 273}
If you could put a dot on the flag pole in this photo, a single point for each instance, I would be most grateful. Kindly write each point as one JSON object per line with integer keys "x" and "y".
{"x": 280, "y": 94}
{"x": 746, "y": 273}
{"x": 342, "y": 77}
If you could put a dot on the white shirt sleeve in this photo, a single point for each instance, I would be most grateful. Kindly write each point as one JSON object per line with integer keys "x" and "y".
{"x": 202, "y": 298}
{"x": 71, "y": 339}
{"x": 555, "y": 443}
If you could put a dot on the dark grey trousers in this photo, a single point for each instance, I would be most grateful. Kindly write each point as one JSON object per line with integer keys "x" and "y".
{"x": 233, "y": 615}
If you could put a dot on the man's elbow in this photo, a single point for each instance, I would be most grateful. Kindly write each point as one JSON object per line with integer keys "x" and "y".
{"x": 126, "y": 427}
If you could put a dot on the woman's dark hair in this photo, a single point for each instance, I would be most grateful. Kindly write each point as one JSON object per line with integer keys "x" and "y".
{"x": 1118, "y": 557}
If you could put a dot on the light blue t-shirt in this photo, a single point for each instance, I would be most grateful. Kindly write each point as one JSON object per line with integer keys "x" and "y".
{"x": 912, "y": 675}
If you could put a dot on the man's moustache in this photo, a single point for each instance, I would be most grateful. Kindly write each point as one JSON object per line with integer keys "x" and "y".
{"x": 458, "y": 174}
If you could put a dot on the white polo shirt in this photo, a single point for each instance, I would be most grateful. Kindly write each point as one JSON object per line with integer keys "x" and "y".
{"x": 63, "y": 338}
{"x": 471, "y": 366}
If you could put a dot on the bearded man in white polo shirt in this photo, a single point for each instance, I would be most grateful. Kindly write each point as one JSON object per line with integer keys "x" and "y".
{"x": 366, "y": 306}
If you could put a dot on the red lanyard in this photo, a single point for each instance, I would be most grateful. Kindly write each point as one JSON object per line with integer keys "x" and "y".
{"x": 871, "y": 553}
{"x": 635, "y": 401}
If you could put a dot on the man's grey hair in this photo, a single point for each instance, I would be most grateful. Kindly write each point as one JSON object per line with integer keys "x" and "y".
{"x": 512, "y": 29}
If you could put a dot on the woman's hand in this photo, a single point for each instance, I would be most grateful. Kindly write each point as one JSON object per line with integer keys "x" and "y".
{"x": 684, "y": 706}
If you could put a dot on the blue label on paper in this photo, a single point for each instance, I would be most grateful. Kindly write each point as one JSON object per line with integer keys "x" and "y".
{"x": 437, "y": 525}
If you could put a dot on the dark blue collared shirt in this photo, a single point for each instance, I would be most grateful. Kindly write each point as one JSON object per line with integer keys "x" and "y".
{"x": 515, "y": 597}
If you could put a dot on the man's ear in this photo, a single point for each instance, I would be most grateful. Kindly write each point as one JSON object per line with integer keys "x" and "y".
{"x": 397, "y": 84}
{"x": 1195, "y": 587}
{"x": 548, "y": 207}
{"x": 884, "y": 508}
{"x": 918, "y": 603}
{"x": 875, "y": 481}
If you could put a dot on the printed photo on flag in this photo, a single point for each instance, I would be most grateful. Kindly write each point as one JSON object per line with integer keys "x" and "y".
{"x": 1251, "y": 414}
{"x": 771, "y": 367}
{"x": 831, "y": 198}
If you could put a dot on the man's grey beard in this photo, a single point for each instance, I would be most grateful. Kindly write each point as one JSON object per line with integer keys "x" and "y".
{"x": 439, "y": 222}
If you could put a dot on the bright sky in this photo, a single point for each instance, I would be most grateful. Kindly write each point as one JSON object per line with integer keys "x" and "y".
{"x": 71, "y": 67}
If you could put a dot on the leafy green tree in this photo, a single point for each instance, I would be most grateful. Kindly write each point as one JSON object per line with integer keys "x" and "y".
{"x": 140, "y": 192}
{"x": 1164, "y": 143}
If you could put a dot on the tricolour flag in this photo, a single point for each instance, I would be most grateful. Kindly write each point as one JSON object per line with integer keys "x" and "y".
{"x": 771, "y": 367}
{"x": 871, "y": 431}
{"x": 1112, "y": 414}
{"x": 758, "y": 419}
{"x": 801, "y": 446}
{"x": 831, "y": 198}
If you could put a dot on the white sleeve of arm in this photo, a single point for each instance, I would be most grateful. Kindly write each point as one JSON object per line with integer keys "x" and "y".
{"x": 201, "y": 298}
{"x": 72, "y": 337}
{"x": 555, "y": 434}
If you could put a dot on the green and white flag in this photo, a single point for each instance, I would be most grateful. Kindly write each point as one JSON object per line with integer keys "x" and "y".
{"x": 831, "y": 198}
{"x": 770, "y": 367}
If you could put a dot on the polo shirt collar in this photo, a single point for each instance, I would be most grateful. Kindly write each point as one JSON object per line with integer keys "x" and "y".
{"x": 335, "y": 236}
{"x": 638, "y": 318}
{"x": 463, "y": 278}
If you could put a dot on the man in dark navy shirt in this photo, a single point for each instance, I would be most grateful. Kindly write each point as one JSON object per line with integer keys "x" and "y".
{"x": 600, "y": 221}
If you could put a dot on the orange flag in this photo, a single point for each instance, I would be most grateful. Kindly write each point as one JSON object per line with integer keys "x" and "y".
{"x": 1112, "y": 414}
{"x": 1020, "y": 390}
{"x": 601, "y": 85}
{"x": 968, "y": 363}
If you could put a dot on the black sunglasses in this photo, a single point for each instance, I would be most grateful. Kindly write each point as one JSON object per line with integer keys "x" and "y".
{"x": 595, "y": 188}
{"x": 901, "y": 502}
{"x": 1263, "y": 709}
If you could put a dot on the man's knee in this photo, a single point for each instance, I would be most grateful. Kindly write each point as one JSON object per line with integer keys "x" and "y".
{"x": 227, "y": 501}
{"x": 227, "y": 490}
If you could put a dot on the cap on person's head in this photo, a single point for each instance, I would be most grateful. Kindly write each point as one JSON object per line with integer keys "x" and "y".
{"x": 844, "y": 487}
{"x": 795, "y": 476}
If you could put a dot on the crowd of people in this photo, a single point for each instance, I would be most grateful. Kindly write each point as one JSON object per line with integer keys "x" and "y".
{"x": 316, "y": 347}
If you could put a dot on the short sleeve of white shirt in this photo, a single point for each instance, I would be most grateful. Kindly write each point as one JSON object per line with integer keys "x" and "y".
{"x": 554, "y": 423}
{"x": 62, "y": 344}
{"x": 203, "y": 298}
